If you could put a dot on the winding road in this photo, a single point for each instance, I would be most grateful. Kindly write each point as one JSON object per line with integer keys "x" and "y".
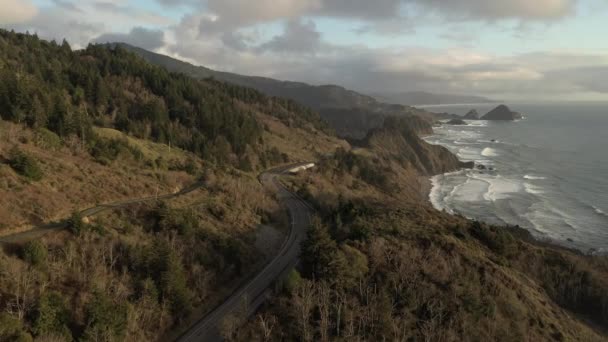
{"x": 253, "y": 293}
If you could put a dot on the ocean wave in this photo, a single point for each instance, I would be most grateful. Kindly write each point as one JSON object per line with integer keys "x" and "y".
{"x": 477, "y": 123}
{"x": 498, "y": 187}
{"x": 534, "y": 177}
{"x": 533, "y": 189}
{"x": 599, "y": 211}
{"x": 489, "y": 152}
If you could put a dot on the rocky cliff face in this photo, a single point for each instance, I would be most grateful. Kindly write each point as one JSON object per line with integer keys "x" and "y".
{"x": 399, "y": 141}
{"x": 503, "y": 113}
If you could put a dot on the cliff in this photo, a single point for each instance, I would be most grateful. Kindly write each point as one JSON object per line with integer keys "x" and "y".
{"x": 398, "y": 140}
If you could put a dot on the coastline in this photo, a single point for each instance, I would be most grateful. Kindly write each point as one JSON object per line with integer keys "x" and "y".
{"x": 449, "y": 193}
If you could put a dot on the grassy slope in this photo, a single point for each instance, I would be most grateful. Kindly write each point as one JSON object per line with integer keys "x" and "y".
{"x": 74, "y": 180}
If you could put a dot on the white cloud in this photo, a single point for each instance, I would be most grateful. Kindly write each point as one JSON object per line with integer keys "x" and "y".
{"x": 16, "y": 11}
{"x": 500, "y": 9}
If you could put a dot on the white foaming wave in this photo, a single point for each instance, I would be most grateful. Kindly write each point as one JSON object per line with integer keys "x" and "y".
{"x": 599, "y": 211}
{"x": 436, "y": 195}
{"x": 489, "y": 152}
{"x": 534, "y": 177}
{"x": 499, "y": 187}
{"x": 468, "y": 153}
{"x": 477, "y": 123}
{"x": 533, "y": 189}
{"x": 549, "y": 215}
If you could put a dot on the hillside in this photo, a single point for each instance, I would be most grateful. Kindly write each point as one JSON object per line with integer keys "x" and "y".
{"x": 414, "y": 98}
{"x": 84, "y": 128}
{"x": 349, "y": 113}
{"x": 380, "y": 263}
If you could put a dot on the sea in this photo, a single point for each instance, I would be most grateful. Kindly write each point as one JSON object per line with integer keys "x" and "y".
{"x": 547, "y": 173}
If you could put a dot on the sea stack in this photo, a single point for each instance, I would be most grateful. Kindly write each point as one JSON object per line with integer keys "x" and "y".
{"x": 456, "y": 122}
{"x": 502, "y": 113}
{"x": 471, "y": 115}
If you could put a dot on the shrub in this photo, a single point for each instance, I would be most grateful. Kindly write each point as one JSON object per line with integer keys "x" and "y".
{"x": 292, "y": 281}
{"x": 52, "y": 317}
{"x": 76, "y": 224}
{"x": 11, "y": 329}
{"x": 35, "y": 253}
{"x": 106, "y": 320}
{"x": 497, "y": 239}
{"x": 25, "y": 165}
{"x": 47, "y": 139}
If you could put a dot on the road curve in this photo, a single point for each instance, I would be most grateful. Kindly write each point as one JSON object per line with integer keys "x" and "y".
{"x": 253, "y": 292}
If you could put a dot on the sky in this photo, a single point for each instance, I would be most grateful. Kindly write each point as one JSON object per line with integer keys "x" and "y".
{"x": 523, "y": 50}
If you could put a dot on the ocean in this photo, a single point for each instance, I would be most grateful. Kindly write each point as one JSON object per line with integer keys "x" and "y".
{"x": 547, "y": 173}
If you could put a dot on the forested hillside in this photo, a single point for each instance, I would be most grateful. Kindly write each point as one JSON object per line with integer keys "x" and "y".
{"x": 349, "y": 113}
{"x": 44, "y": 84}
{"x": 80, "y": 129}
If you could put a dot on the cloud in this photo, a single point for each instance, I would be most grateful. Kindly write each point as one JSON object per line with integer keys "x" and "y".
{"x": 363, "y": 9}
{"x": 499, "y": 9}
{"x": 67, "y": 5}
{"x": 16, "y": 11}
{"x": 139, "y": 36}
{"x": 232, "y": 14}
{"x": 59, "y": 24}
{"x": 298, "y": 37}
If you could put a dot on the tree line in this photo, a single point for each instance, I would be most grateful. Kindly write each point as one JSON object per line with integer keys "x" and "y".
{"x": 45, "y": 84}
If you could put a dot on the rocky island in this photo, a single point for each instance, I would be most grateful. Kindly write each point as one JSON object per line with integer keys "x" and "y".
{"x": 502, "y": 113}
{"x": 456, "y": 122}
{"x": 472, "y": 115}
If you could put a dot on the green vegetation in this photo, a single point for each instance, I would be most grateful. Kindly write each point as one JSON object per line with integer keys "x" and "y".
{"x": 106, "y": 320}
{"x": 52, "y": 316}
{"x": 66, "y": 92}
{"x": 35, "y": 253}
{"x": 11, "y": 329}
{"x": 25, "y": 165}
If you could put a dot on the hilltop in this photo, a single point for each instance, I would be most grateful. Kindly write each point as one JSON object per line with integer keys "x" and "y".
{"x": 350, "y": 113}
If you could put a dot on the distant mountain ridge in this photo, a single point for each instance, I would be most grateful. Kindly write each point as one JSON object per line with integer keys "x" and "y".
{"x": 350, "y": 113}
{"x": 414, "y": 98}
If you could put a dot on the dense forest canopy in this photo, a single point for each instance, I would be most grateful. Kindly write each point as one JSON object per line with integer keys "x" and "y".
{"x": 45, "y": 84}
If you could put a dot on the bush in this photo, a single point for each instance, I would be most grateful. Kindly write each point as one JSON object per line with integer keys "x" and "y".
{"x": 292, "y": 281}
{"x": 25, "y": 165}
{"x": 106, "y": 151}
{"x": 47, "y": 139}
{"x": 35, "y": 253}
{"x": 11, "y": 329}
{"x": 106, "y": 320}
{"x": 498, "y": 239}
{"x": 76, "y": 225}
{"x": 52, "y": 317}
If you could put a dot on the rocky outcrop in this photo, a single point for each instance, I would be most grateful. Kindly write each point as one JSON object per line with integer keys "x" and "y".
{"x": 397, "y": 140}
{"x": 456, "y": 122}
{"x": 471, "y": 115}
{"x": 502, "y": 113}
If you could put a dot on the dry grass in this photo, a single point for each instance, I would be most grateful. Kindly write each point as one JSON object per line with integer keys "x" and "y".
{"x": 299, "y": 144}
{"x": 72, "y": 181}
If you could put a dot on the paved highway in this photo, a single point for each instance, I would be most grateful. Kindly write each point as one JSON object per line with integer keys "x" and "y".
{"x": 254, "y": 291}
